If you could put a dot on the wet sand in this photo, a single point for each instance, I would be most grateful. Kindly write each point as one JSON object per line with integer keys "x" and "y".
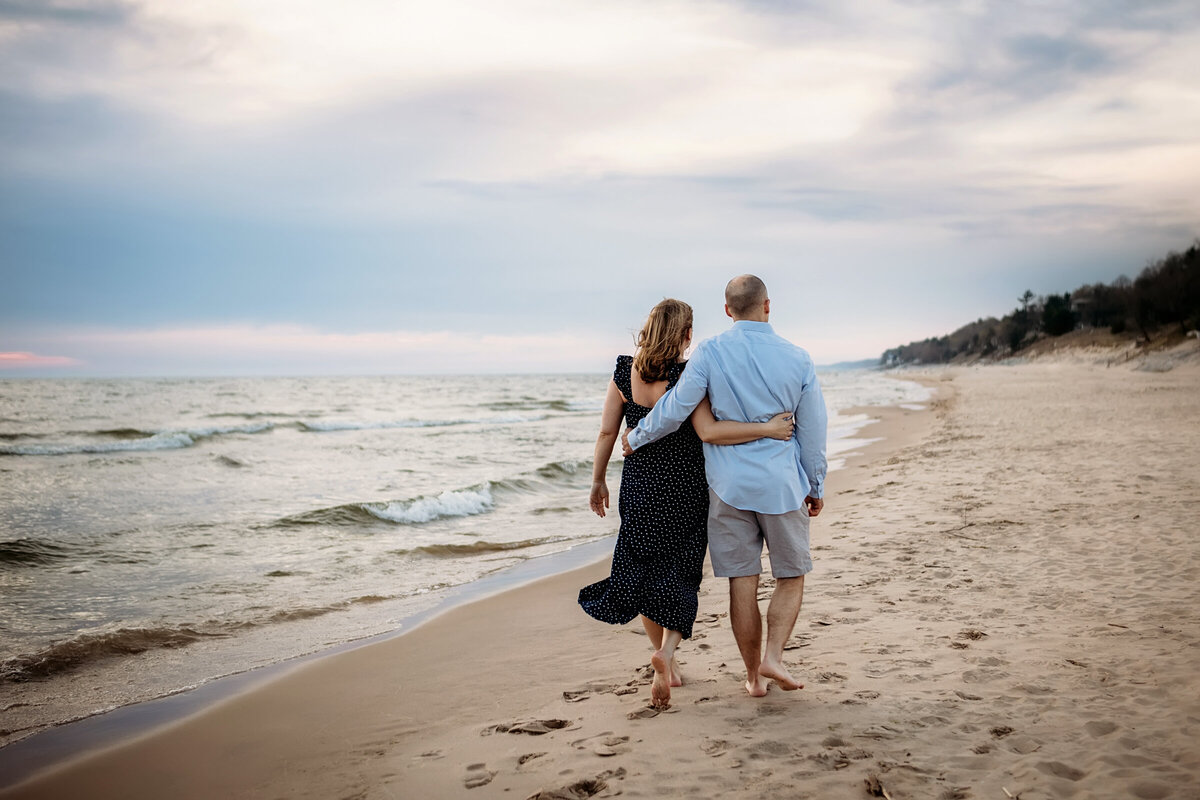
{"x": 1004, "y": 605}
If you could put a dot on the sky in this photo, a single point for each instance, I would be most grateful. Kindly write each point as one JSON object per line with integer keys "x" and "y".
{"x": 241, "y": 187}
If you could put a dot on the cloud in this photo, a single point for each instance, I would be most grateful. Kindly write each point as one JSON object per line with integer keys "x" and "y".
{"x": 83, "y": 14}
{"x": 21, "y": 360}
{"x": 290, "y": 349}
{"x": 479, "y": 170}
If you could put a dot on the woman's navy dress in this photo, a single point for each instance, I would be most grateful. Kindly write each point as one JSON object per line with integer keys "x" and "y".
{"x": 659, "y": 557}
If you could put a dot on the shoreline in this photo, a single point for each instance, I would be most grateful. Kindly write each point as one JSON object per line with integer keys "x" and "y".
{"x": 56, "y": 740}
{"x": 63, "y": 746}
{"x": 61, "y": 743}
{"x": 994, "y": 613}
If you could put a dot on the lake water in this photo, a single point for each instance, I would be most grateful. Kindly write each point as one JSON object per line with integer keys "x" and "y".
{"x": 155, "y": 534}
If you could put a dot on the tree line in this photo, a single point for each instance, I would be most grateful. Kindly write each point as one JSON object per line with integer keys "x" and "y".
{"x": 1164, "y": 298}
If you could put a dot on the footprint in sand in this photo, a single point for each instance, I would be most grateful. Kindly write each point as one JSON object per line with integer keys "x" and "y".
{"x": 603, "y": 744}
{"x": 1024, "y": 745}
{"x": 840, "y": 758}
{"x": 525, "y": 759}
{"x": 579, "y": 695}
{"x": 646, "y": 712}
{"x": 1100, "y": 728}
{"x": 828, "y": 677}
{"x": 770, "y": 749}
{"x": 867, "y": 695}
{"x": 535, "y": 727}
{"x": 478, "y": 775}
{"x": 715, "y": 747}
{"x": 1060, "y": 770}
{"x": 580, "y": 790}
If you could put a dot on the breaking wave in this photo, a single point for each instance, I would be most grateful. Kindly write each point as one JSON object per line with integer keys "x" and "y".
{"x": 123, "y": 440}
{"x": 460, "y": 503}
{"x": 467, "y": 502}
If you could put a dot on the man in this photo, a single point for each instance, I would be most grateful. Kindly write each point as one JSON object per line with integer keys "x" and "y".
{"x": 764, "y": 490}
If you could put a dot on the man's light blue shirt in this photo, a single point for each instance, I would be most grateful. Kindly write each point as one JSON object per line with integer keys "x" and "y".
{"x": 750, "y": 374}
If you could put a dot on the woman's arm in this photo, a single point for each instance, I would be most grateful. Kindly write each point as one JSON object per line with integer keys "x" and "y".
{"x": 710, "y": 430}
{"x": 610, "y": 428}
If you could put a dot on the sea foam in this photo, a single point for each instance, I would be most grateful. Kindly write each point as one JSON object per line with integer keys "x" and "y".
{"x": 460, "y": 503}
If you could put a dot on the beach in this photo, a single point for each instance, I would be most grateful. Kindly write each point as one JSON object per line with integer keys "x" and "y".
{"x": 1003, "y": 606}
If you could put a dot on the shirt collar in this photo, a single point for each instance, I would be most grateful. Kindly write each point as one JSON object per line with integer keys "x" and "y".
{"x": 751, "y": 325}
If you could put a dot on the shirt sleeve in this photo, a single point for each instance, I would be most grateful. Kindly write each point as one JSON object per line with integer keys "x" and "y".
{"x": 811, "y": 422}
{"x": 675, "y": 406}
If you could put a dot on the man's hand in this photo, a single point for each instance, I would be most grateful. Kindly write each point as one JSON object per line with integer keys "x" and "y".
{"x": 625, "y": 448}
{"x": 814, "y": 505}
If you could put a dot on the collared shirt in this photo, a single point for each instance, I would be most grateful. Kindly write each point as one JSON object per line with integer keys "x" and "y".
{"x": 750, "y": 374}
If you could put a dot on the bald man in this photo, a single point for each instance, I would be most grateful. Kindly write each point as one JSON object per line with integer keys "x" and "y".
{"x": 760, "y": 492}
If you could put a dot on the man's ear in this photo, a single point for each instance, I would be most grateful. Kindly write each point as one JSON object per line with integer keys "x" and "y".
{"x": 767, "y": 306}
{"x": 728, "y": 313}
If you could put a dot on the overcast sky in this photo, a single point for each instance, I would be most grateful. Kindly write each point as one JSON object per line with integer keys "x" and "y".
{"x": 300, "y": 187}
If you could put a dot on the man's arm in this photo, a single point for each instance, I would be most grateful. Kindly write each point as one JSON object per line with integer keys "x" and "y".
{"x": 811, "y": 423}
{"x": 673, "y": 407}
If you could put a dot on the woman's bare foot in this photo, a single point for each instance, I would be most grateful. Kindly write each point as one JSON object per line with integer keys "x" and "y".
{"x": 676, "y": 675}
{"x": 757, "y": 687}
{"x": 778, "y": 672}
{"x": 660, "y": 688}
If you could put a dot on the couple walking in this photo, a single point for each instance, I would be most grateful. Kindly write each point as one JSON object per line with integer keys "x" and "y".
{"x": 685, "y": 486}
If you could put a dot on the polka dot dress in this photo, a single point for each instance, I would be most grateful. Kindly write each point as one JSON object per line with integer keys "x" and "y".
{"x": 659, "y": 557}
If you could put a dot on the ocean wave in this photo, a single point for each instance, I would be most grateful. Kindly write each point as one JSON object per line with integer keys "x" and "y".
{"x": 134, "y": 440}
{"x": 561, "y": 405}
{"x": 229, "y": 461}
{"x": 92, "y": 646}
{"x": 471, "y": 501}
{"x": 164, "y": 441}
{"x": 69, "y": 654}
{"x": 27, "y": 552}
{"x": 456, "y": 503}
{"x": 460, "y": 503}
{"x": 556, "y": 470}
{"x": 478, "y": 548}
{"x": 120, "y": 433}
{"x": 330, "y": 426}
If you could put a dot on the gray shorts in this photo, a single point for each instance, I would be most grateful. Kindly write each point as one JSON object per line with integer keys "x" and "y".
{"x": 735, "y": 541}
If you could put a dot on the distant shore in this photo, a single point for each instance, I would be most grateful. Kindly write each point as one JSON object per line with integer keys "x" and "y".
{"x": 996, "y": 608}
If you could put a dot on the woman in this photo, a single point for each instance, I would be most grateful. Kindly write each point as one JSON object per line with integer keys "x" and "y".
{"x": 658, "y": 561}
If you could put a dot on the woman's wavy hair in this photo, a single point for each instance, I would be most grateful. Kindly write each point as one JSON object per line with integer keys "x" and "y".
{"x": 661, "y": 341}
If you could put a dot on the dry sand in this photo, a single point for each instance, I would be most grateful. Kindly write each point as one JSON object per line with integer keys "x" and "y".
{"x": 1005, "y": 605}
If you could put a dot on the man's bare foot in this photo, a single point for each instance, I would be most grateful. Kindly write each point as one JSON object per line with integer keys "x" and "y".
{"x": 757, "y": 687}
{"x": 676, "y": 675}
{"x": 779, "y": 674}
{"x": 660, "y": 687}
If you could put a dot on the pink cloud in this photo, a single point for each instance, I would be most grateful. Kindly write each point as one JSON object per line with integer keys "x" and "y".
{"x": 17, "y": 360}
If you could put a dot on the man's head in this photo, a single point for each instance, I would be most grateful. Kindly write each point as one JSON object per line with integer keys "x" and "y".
{"x": 746, "y": 298}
